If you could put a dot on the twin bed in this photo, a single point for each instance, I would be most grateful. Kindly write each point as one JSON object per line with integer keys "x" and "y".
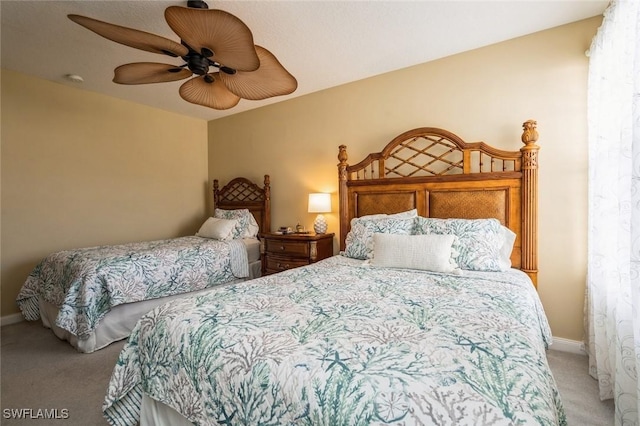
{"x": 429, "y": 315}
{"x": 94, "y": 296}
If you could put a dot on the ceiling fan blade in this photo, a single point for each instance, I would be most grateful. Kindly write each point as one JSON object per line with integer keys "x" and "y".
{"x": 271, "y": 79}
{"x": 213, "y": 95}
{"x": 215, "y": 31}
{"x": 149, "y": 72}
{"x": 132, "y": 38}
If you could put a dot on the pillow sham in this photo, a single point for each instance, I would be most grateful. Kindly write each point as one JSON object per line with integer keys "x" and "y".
{"x": 219, "y": 229}
{"x": 431, "y": 252}
{"x": 246, "y": 226}
{"x": 359, "y": 240}
{"x": 479, "y": 243}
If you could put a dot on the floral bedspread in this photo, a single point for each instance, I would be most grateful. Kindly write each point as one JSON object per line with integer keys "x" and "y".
{"x": 86, "y": 283}
{"x": 343, "y": 343}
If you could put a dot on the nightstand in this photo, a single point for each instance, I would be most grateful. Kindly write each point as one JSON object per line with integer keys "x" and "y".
{"x": 281, "y": 252}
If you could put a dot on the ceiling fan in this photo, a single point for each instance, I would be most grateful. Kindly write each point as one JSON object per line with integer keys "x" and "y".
{"x": 218, "y": 51}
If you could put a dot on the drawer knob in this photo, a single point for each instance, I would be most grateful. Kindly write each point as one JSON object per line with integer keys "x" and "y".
{"x": 281, "y": 247}
{"x": 281, "y": 266}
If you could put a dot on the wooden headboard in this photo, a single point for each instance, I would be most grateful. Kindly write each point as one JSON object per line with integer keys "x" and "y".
{"x": 442, "y": 176}
{"x": 241, "y": 193}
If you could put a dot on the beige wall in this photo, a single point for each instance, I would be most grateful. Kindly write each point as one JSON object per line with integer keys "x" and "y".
{"x": 483, "y": 94}
{"x": 82, "y": 169}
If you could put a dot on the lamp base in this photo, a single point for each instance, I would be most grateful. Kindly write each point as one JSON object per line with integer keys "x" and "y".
{"x": 320, "y": 225}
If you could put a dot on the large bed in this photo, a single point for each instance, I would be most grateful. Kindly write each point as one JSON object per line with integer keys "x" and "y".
{"x": 429, "y": 314}
{"x": 94, "y": 296}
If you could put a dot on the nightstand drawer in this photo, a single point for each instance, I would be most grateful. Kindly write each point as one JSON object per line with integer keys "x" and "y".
{"x": 281, "y": 252}
{"x": 277, "y": 264}
{"x": 290, "y": 248}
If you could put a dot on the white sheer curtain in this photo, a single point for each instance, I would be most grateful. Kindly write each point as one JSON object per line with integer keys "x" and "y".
{"x": 613, "y": 278}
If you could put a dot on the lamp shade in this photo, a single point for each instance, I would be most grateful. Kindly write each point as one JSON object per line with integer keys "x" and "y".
{"x": 319, "y": 203}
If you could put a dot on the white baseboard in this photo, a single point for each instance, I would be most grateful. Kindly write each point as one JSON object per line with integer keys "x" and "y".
{"x": 11, "y": 319}
{"x": 566, "y": 345}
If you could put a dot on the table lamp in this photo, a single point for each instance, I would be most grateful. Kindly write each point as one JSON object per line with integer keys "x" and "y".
{"x": 320, "y": 203}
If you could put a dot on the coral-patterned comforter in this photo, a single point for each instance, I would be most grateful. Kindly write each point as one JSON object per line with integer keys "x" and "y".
{"x": 340, "y": 342}
{"x": 86, "y": 283}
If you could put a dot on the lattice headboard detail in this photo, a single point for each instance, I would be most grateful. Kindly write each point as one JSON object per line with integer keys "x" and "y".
{"x": 241, "y": 193}
{"x": 438, "y": 173}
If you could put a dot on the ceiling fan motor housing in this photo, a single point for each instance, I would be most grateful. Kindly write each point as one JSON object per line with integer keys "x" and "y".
{"x": 197, "y": 4}
{"x": 198, "y": 64}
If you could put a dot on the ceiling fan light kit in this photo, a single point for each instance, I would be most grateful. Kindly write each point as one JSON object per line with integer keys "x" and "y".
{"x": 210, "y": 39}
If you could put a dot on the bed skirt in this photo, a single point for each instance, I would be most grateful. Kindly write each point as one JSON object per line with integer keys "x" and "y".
{"x": 154, "y": 413}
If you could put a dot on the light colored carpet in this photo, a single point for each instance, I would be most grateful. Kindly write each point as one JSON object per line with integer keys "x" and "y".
{"x": 39, "y": 371}
{"x": 579, "y": 391}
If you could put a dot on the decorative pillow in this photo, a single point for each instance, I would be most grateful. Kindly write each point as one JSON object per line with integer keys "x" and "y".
{"x": 479, "y": 240}
{"x": 246, "y": 226}
{"x": 359, "y": 240}
{"x": 430, "y": 252}
{"x": 219, "y": 229}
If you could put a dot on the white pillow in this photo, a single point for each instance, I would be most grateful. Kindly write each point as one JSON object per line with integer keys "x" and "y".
{"x": 402, "y": 215}
{"x": 431, "y": 252}
{"x": 219, "y": 229}
{"x": 509, "y": 238}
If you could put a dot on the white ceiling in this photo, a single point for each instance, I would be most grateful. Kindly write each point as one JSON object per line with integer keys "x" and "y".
{"x": 322, "y": 43}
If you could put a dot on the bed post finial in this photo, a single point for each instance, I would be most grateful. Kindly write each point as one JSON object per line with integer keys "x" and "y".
{"x": 342, "y": 193}
{"x": 267, "y": 187}
{"x": 216, "y": 192}
{"x": 342, "y": 157}
{"x": 530, "y": 134}
{"x": 266, "y": 218}
{"x": 530, "y": 200}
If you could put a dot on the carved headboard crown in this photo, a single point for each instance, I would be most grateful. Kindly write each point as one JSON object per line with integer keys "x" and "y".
{"x": 440, "y": 175}
{"x": 241, "y": 193}
{"x": 429, "y": 151}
